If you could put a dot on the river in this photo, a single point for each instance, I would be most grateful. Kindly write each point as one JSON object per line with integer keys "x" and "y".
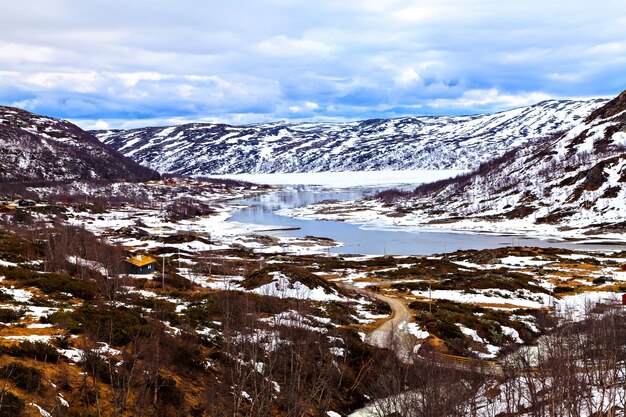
{"x": 364, "y": 240}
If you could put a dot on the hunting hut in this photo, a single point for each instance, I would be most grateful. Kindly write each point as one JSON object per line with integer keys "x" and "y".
{"x": 140, "y": 264}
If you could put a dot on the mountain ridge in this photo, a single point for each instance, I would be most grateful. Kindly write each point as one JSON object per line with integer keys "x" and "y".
{"x": 413, "y": 142}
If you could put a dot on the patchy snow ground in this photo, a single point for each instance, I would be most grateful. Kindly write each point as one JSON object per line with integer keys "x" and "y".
{"x": 19, "y": 295}
{"x": 223, "y": 234}
{"x": 43, "y": 412}
{"x": 413, "y": 329}
{"x": 282, "y": 287}
{"x": 493, "y": 297}
{"x": 575, "y": 306}
{"x": 292, "y": 318}
{"x": 523, "y": 261}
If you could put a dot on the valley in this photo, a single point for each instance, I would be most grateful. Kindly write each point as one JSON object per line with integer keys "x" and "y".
{"x": 234, "y": 297}
{"x": 333, "y": 294}
{"x": 350, "y": 208}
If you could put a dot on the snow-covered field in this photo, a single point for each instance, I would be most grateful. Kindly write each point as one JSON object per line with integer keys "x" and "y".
{"x": 347, "y": 179}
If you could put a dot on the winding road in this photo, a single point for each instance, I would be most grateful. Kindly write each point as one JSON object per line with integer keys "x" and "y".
{"x": 392, "y": 333}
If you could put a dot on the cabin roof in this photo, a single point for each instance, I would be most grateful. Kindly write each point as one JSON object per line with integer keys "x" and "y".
{"x": 140, "y": 260}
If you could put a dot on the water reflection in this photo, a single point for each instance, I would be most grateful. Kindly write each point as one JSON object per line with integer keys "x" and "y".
{"x": 363, "y": 239}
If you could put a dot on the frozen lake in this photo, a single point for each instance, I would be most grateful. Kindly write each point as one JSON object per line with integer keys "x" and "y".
{"x": 361, "y": 239}
{"x": 349, "y": 179}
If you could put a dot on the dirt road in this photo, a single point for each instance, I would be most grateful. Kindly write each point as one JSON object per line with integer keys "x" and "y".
{"x": 392, "y": 333}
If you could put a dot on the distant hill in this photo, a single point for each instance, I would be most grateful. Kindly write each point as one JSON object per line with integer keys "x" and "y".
{"x": 429, "y": 142}
{"x": 35, "y": 148}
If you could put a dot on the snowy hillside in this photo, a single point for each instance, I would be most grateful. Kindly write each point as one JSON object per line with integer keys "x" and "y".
{"x": 445, "y": 142}
{"x": 577, "y": 179}
{"x": 42, "y": 148}
{"x": 572, "y": 185}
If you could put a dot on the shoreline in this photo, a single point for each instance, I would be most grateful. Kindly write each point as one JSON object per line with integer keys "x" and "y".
{"x": 611, "y": 241}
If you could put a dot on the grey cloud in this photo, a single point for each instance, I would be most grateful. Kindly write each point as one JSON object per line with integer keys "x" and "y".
{"x": 250, "y": 60}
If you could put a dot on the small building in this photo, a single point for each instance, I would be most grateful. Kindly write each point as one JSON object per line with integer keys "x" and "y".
{"x": 140, "y": 264}
{"x": 23, "y": 202}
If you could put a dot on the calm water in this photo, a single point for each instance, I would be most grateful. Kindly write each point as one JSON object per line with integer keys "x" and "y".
{"x": 359, "y": 239}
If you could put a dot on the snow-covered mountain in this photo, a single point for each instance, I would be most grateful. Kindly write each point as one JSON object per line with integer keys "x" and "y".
{"x": 36, "y": 147}
{"x": 429, "y": 142}
{"x": 576, "y": 180}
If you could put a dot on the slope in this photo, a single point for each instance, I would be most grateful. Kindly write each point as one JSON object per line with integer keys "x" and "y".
{"x": 574, "y": 180}
{"x": 38, "y": 148}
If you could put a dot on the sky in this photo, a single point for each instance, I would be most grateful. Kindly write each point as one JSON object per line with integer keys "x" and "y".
{"x": 134, "y": 63}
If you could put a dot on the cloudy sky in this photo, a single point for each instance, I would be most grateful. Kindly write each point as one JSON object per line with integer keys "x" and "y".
{"x": 138, "y": 62}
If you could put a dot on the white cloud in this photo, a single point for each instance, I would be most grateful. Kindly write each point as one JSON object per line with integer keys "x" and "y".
{"x": 609, "y": 48}
{"x": 407, "y": 76}
{"x": 425, "y": 14}
{"x": 566, "y": 77}
{"x": 79, "y": 82}
{"x": 491, "y": 98}
{"x": 23, "y": 54}
{"x": 29, "y": 105}
{"x": 101, "y": 124}
{"x": 130, "y": 79}
{"x": 532, "y": 54}
{"x": 307, "y": 106}
{"x": 287, "y": 47}
{"x": 378, "y": 6}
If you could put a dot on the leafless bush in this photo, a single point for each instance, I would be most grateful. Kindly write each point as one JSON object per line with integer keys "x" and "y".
{"x": 389, "y": 196}
{"x": 228, "y": 182}
{"x": 185, "y": 209}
